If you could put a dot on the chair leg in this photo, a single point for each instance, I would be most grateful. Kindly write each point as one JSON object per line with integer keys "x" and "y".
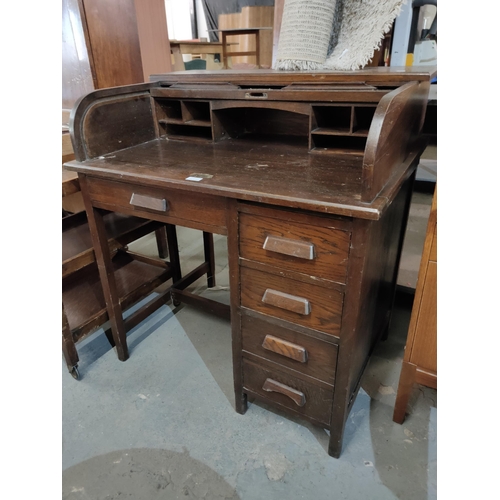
{"x": 208, "y": 247}
{"x": 406, "y": 382}
{"x": 69, "y": 348}
{"x": 161, "y": 241}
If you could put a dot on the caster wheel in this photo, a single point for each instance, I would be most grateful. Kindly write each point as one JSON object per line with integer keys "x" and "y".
{"x": 177, "y": 303}
{"x": 75, "y": 373}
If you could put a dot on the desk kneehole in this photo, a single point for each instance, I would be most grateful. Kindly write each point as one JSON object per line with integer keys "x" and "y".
{"x": 167, "y": 204}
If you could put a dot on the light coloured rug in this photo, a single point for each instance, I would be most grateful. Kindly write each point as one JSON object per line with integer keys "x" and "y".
{"x": 333, "y": 34}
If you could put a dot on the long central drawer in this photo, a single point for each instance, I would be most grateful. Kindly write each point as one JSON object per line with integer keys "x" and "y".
{"x": 144, "y": 201}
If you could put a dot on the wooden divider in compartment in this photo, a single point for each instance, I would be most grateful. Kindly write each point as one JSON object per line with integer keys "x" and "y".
{"x": 277, "y": 124}
{"x": 340, "y": 129}
{"x": 183, "y": 119}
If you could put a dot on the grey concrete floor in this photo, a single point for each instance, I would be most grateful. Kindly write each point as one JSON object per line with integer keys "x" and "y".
{"x": 162, "y": 425}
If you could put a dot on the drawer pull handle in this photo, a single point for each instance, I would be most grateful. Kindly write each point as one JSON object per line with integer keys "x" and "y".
{"x": 270, "y": 385}
{"x": 255, "y": 95}
{"x": 286, "y": 301}
{"x": 285, "y": 348}
{"x": 141, "y": 201}
{"x": 294, "y": 248}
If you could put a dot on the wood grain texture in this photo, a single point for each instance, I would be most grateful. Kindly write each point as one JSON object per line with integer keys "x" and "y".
{"x": 111, "y": 125}
{"x": 77, "y": 248}
{"x": 321, "y": 356}
{"x": 424, "y": 347}
{"x": 83, "y": 297}
{"x": 326, "y": 305}
{"x": 298, "y": 397}
{"x": 317, "y": 400}
{"x": 149, "y": 202}
{"x": 117, "y": 196}
{"x": 375, "y": 76}
{"x": 292, "y": 248}
{"x": 286, "y": 301}
{"x": 330, "y": 245}
{"x": 395, "y": 129}
{"x": 250, "y": 17}
{"x": 285, "y": 348}
{"x": 114, "y": 63}
{"x": 153, "y": 37}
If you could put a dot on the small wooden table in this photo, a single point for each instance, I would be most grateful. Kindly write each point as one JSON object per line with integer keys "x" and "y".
{"x": 241, "y": 31}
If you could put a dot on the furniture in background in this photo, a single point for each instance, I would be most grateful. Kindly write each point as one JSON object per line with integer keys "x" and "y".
{"x": 105, "y": 46}
{"x": 225, "y": 33}
{"x": 206, "y": 50}
{"x": 310, "y": 177}
{"x": 420, "y": 359}
{"x": 83, "y": 304}
{"x": 250, "y": 17}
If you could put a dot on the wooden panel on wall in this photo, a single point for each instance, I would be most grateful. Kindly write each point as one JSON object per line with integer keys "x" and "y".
{"x": 113, "y": 40}
{"x": 153, "y": 37}
{"x": 251, "y": 17}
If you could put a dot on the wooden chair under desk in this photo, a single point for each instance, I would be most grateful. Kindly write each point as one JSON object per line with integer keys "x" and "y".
{"x": 84, "y": 308}
{"x": 310, "y": 177}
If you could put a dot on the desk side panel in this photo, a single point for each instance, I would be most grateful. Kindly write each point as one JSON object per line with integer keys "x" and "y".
{"x": 373, "y": 265}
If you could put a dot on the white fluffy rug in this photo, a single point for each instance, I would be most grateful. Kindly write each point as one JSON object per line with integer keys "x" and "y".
{"x": 333, "y": 34}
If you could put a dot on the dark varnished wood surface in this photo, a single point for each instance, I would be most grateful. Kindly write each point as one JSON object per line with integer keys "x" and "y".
{"x": 321, "y": 357}
{"x": 330, "y": 246}
{"x": 278, "y": 173}
{"x": 325, "y": 304}
{"x": 317, "y": 399}
{"x": 83, "y": 297}
{"x": 313, "y": 167}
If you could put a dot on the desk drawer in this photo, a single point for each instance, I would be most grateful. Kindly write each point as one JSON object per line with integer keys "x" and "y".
{"x": 144, "y": 201}
{"x": 291, "y": 349}
{"x": 308, "y": 305}
{"x": 318, "y": 251}
{"x": 284, "y": 389}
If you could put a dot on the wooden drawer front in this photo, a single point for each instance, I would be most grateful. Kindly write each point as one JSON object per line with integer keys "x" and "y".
{"x": 317, "y": 251}
{"x": 168, "y": 202}
{"x": 286, "y": 390}
{"x": 301, "y": 303}
{"x": 288, "y": 348}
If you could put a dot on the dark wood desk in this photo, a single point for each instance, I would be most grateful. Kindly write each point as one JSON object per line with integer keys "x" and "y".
{"x": 309, "y": 176}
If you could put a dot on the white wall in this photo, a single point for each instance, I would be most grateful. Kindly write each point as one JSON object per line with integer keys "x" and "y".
{"x": 178, "y": 19}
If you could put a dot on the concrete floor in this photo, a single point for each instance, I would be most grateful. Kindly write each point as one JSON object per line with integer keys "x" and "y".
{"x": 162, "y": 425}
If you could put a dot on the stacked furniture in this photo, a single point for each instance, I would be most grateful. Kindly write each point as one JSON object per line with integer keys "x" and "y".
{"x": 310, "y": 177}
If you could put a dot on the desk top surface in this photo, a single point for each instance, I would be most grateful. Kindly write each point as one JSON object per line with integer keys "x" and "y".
{"x": 279, "y": 173}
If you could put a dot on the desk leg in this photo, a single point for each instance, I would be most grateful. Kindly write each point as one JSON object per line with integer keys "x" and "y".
{"x": 106, "y": 272}
{"x": 234, "y": 286}
{"x": 208, "y": 248}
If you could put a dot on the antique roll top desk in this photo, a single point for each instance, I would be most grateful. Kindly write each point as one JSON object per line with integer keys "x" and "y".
{"x": 309, "y": 176}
